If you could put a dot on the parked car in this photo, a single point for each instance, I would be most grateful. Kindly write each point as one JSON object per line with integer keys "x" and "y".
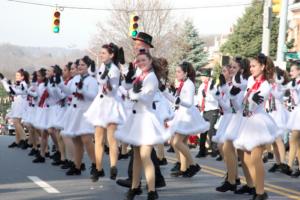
{"x": 10, "y": 128}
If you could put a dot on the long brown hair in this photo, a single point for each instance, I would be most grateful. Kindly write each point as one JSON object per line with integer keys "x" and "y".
{"x": 189, "y": 69}
{"x": 269, "y": 69}
{"x": 156, "y": 66}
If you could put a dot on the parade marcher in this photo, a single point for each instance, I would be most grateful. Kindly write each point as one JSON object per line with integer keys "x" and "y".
{"x": 257, "y": 128}
{"x": 187, "y": 120}
{"x": 76, "y": 126}
{"x": 226, "y": 107}
{"x": 19, "y": 93}
{"x": 240, "y": 73}
{"x": 142, "y": 41}
{"x": 68, "y": 86}
{"x": 49, "y": 104}
{"x": 31, "y": 112}
{"x": 142, "y": 128}
{"x": 276, "y": 109}
{"x": 208, "y": 104}
{"x": 107, "y": 110}
{"x": 293, "y": 121}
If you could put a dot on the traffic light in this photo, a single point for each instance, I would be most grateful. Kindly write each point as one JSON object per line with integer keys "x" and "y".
{"x": 133, "y": 29}
{"x": 276, "y": 6}
{"x": 56, "y": 22}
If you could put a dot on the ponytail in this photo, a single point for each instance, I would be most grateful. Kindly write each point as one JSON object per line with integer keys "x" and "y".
{"x": 189, "y": 69}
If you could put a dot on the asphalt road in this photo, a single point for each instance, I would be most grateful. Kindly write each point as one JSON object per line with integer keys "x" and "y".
{"x": 18, "y": 173}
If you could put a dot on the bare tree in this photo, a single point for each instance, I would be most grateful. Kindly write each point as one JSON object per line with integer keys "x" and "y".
{"x": 155, "y": 19}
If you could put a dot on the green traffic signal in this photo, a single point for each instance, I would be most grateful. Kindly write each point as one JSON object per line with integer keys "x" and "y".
{"x": 56, "y": 29}
{"x": 134, "y": 33}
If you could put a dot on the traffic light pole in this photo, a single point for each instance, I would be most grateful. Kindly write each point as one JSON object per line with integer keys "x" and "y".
{"x": 282, "y": 33}
{"x": 267, "y": 25}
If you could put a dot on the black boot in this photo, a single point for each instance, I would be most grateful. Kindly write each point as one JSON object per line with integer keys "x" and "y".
{"x": 67, "y": 164}
{"x": 176, "y": 167}
{"x": 23, "y": 144}
{"x": 93, "y": 169}
{"x": 219, "y": 158}
{"x": 82, "y": 167}
{"x": 192, "y": 171}
{"x": 113, "y": 173}
{"x": 177, "y": 173}
{"x": 171, "y": 149}
{"x": 274, "y": 168}
{"x": 73, "y": 171}
{"x": 33, "y": 152}
{"x": 202, "y": 153}
{"x": 296, "y": 173}
{"x": 163, "y": 161}
{"x": 132, "y": 193}
{"x": 97, "y": 174}
{"x": 125, "y": 182}
{"x": 57, "y": 162}
{"x": 13, "y": 145}
{"x": 123, "y": 156}
{"x": 226, "y": 186}
{"x": 245, "y": 189}
{"x": 285, "y": 169}
{"x": 39, "y": 159}
{"x": 152, "y": 195}
{"x": 260, "y": 196}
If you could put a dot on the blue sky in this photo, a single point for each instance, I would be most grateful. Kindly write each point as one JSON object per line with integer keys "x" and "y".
{"x": 30, "y": 25}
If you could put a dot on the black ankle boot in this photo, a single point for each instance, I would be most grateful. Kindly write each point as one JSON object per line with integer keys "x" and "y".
{"x": 192, "y": 171}
{"x": 113, "y": 173}
{"x": 13, "y": 145}
{"x": 152, "y": 195}
{"x": 39, "y": 159}
{"x": 93, "y": 169}
{"x": 73, "y": 171}
{"x": 97, "y": 174}
{"x": 176, "y": 167}
{"x": 132, "y": 193}
{"x": 163, "y": 161}
{"x": 170, "y": 150}
{"x": 274, "y": 168}
{"x": 226, "y": 186}
{"x": 33, "y": 152}
{"x": 263, "y": 196}
{"x": 57, "y": 162}
{"x": 245, "y": 189}
{"x": 296, "y": 174}
{"x": 67, "y": 164}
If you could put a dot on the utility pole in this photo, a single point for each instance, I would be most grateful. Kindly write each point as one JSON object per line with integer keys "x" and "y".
{"x": 282, "y": 32}
{"x": 267, "y": 26}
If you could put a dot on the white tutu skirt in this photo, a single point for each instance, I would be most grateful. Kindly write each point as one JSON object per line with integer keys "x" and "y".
{"x": 55, "y": 116}
{"x": 232, "y": 130}
{"x": 29, "y": 117}
{"x": 142, "y": 129}
{"x": 223, "y": 124}
{"x": 26, "y": 114}
{"x": 41, "y": 119}
{"x": 18, "y": 108}
{"x": 256, "y": 130}
{"x": 293, "y": 122}
{"x": 75, "y": 124}
{"x": 280, "y": 116}
{"x": 106, "y": 110}
{"x": 188, "y": 121}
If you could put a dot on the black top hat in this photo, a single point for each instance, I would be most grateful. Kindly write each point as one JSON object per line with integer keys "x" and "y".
{"x": 144, "y": 37}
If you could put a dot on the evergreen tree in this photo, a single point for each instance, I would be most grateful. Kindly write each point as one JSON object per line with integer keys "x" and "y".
{"x": 193, "y": 48}
{"x": 246, "y": 38}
